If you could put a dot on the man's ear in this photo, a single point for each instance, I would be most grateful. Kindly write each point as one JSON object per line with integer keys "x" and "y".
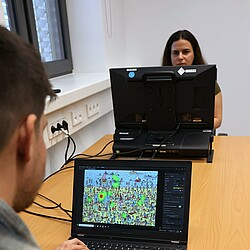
{"x": 27, "y": 131}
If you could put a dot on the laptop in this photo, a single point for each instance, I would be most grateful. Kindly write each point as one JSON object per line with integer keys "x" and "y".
{"x": 131, "y": 204}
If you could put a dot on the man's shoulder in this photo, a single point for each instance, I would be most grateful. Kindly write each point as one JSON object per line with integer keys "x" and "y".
{"x": 14, "y": 234}
{"x": 7, "y": 242}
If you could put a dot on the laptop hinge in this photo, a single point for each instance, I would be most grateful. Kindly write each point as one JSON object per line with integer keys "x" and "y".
{"x": 120, "y": 238}
{"x": 175, "y": 242}
{"x": 178, "y": 242}
{"x": 94, "y": 236}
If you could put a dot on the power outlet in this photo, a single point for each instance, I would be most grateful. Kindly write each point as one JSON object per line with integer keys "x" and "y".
{"x": 54, "y": 123}
{"x": 92, "y": 108}
{"x": 77, "y": 117}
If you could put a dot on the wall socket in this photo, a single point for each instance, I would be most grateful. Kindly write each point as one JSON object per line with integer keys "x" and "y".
{"x": 54, "y": 123}
{"x": 92, "y": 108}
{"x": 76, "y": 117}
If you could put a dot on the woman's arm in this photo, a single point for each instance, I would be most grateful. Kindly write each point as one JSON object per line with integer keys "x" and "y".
{"x": 218, "y": 110}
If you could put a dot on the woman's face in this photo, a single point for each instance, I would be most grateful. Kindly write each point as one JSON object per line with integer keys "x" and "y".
{"x": 182, "y": 53}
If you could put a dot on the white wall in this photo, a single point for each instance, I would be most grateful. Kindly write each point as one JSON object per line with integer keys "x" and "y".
{"x": 87, "y": 35}
{"x": 115, "y": 35}
{"x": 222, "y": 29}
{"x": 97, "y": 32}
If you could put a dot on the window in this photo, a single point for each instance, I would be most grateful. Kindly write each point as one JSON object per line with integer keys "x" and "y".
{"x": 6, "y": 14}
{"x": 44, "y": 24}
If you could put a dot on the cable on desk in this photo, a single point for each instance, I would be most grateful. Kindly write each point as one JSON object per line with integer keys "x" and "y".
{"x": 57, "y": 205}
{"x": 96, "y": 155}
{"x": 47, "y": 216}
{"x": 47, "y": 207}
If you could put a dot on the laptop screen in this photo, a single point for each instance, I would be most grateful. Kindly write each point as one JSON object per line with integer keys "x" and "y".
{"x": 142, "y": 199}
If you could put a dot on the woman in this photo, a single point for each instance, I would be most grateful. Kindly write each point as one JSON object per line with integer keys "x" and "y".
{"x": 182, "y": 48}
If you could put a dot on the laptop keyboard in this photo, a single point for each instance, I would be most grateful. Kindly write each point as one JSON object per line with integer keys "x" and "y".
{"x": 120, "y": 246}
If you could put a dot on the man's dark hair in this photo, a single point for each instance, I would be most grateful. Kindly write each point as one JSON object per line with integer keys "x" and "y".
{"x": 24, "y": 84}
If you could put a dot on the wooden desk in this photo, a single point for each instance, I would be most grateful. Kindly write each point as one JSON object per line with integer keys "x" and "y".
{"x": 220, "y": 199}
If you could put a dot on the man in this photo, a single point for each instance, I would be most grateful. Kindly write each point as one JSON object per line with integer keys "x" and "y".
{"x": 24, "y": 88}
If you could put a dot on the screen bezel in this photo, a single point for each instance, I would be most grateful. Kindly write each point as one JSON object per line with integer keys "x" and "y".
{"x": 121, "y": 164}
{"x": 135, "y": 91}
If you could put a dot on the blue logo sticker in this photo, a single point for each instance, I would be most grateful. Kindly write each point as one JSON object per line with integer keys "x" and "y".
{"x": 131, "y": 74}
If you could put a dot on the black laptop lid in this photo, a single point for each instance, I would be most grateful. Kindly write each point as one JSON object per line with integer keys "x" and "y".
{"x": 146, "y": 200}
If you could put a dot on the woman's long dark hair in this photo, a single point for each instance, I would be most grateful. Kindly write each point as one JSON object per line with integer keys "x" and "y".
{"x": 186, "y": 35}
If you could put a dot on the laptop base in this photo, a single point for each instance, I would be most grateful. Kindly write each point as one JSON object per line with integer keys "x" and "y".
{"x": 128, "y": 245}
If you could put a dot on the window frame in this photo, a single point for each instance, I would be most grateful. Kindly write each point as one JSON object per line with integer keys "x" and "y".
{"x": 22, "y": 20}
